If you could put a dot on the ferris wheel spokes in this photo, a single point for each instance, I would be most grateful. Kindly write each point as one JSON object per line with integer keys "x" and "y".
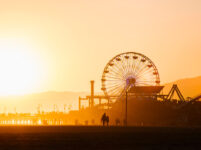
{"x": 127, "y": 68}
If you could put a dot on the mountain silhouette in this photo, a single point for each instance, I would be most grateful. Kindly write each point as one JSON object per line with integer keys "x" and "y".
{"x": 189, "y": 87}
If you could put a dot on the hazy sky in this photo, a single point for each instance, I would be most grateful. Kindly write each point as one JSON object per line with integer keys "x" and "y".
{"x": 72, "y": 40}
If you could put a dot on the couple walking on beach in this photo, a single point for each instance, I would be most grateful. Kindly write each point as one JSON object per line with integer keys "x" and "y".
{"x": 105, "y": 119}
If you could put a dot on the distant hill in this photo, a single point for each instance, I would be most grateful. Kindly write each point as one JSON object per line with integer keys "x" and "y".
{"x": 189, "y": 87}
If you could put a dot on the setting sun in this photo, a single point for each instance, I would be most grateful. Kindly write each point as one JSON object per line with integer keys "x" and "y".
{"x": 20, "y": 69}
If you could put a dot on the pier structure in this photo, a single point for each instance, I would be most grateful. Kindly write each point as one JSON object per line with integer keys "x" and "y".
{"x": 133, "y": 74}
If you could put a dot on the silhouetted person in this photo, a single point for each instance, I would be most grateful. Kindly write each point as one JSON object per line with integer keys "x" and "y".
{"x": 103, "y": 119}
{"x": 86, "y": 123}
{"x": 92, "y": 121}
{"x": 117, "y": 122}
{"x": 107, "y": 120}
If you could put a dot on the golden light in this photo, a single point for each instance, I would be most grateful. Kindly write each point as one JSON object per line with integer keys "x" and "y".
{"x": 20, "y": 68}
{"x": 39, "y": 122}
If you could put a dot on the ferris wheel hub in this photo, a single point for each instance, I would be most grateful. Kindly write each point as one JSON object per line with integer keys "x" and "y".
{"x": 130, "y": 81}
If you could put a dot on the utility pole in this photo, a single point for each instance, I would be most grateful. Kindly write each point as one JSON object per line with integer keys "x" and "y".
{"x": 92, "y": 93}
{"x": 126, "y": 108}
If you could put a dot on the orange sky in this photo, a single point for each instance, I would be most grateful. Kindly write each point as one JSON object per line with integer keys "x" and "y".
{"x": 73, "y": 40}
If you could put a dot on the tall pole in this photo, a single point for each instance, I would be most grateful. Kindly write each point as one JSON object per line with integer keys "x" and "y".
{"x": 79, "y": 103}
{"x": 126, "y": 109}
{"x": 92, "y": 93}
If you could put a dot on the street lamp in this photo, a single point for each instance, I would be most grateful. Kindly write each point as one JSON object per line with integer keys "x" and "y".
{"x": 126, "y": 108}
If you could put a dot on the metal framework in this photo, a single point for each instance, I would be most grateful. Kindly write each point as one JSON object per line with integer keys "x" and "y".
{"x": 172, "y": 91}
{"x": 100, "y": 98}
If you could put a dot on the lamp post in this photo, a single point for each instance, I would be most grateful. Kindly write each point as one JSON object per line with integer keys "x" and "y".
{"x": 126, "y": 108}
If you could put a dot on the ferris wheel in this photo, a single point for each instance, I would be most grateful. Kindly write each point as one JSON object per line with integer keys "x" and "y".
{"x": 128, "y": 69}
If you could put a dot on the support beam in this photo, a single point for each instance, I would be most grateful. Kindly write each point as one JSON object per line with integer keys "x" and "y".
{"x": 172, "y": 91}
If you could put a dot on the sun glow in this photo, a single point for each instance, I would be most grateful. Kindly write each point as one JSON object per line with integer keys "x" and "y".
{"x": 20, "y": 68}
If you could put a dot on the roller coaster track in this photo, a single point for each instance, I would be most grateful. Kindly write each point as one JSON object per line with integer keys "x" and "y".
{"x": 196, "y": 98}
{"x": 172, "y": 91}
{"x": 193, "y": 100}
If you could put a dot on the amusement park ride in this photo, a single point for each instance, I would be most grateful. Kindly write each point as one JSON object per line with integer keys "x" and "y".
{"x": 131, "y": 74}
